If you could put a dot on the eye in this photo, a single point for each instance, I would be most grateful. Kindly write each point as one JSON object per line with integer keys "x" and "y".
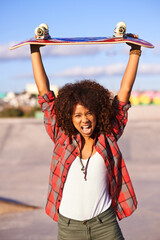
{"x": 77, "y": 115}
{"x": 89, "y": 113}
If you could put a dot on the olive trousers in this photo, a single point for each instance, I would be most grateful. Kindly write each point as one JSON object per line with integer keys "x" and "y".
{"x": 102, "y": 227}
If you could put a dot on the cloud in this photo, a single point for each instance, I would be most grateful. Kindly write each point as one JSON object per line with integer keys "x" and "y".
{"x": 149, "y": 69}
{"x": 76, "y": 50}
{"x": 60, "y": 51}
{"x": 99, "y": 71}
{"x": 156, "y": 49}
{"x": 6, "y": 54}
{"x": 110, "y": 70}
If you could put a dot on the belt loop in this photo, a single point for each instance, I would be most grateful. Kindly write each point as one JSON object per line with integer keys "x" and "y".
{"x": 69, "y": 221}
{"x": 99, "y": 220}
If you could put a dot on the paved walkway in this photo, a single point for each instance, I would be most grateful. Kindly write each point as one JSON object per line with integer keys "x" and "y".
{"x": 25, "y": 154}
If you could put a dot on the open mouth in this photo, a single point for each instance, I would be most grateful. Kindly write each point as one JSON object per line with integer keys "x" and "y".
{"x": 86, "y": 129}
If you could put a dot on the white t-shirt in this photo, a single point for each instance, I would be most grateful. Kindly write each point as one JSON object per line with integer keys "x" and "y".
{"x": 82, "y": 200}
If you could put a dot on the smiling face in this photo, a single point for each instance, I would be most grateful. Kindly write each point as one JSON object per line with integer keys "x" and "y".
{"x": 84, "y": 120}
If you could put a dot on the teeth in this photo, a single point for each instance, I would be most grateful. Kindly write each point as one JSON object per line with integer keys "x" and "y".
{"x": 85, "y": 127}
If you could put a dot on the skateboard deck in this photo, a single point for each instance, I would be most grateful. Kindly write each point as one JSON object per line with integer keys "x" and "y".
{"x": 84, "y": 40}
{"x": 42, "y": 37}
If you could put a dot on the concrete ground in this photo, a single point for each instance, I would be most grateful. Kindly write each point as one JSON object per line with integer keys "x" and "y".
{"x": 25, "y": 155}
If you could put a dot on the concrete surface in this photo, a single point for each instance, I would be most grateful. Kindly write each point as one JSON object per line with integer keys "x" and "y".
{"x": 25, "y": 155}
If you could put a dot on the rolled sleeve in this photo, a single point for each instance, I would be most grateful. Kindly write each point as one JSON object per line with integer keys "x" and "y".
{"x": 47, "y": 106}
{"x": 46, "y": 98}
{"x": 120, "y": 117}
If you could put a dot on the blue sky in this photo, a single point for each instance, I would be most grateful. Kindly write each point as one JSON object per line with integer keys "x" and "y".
{"x": 83, "y": 18}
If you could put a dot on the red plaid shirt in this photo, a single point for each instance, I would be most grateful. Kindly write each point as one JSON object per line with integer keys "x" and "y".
{"x": 66, "y": 150}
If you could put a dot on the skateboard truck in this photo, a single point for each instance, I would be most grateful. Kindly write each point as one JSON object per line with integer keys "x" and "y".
{"x": 42, "y": 32}
{"x": 120, "y": 30}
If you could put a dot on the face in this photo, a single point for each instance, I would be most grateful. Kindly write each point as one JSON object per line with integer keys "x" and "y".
{"x": 83, "y": 120}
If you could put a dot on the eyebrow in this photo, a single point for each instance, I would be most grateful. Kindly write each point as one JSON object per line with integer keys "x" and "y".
{"x": 81, "y": 113}
{"x": 76, "y": 113}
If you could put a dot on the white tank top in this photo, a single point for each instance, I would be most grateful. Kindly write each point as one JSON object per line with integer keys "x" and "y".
{"x": 82, "y": 200}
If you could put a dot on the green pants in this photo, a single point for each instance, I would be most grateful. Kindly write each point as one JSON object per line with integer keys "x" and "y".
{"x": 102, "y": 227}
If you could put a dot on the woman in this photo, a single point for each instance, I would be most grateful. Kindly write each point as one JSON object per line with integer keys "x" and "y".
{"x": 88, "y": 184}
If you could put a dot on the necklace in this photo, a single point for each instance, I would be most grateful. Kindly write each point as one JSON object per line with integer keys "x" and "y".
{"x": 84, "y": 169}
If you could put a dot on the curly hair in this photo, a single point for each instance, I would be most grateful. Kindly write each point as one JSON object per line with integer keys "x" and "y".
{"x": 91, "y": 95}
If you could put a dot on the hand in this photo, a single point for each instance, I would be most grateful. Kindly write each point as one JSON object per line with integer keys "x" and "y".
{"x": 35, "y": 47}
{"x": 131, "y": 35}
{"x": 133, "y": 46}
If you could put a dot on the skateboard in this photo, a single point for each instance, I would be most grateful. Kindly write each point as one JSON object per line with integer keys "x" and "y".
{"x": 42, "y": 37}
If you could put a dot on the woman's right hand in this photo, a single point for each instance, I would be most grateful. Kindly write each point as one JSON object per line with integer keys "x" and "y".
{"x": 35, "y": 47}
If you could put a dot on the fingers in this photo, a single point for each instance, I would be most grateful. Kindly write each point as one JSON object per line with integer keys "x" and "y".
{"x": 132, "y": 35}
{"x": 34, "y": 48}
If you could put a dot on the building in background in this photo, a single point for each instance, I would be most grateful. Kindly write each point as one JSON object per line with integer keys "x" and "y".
{"x": 32, "y": 89}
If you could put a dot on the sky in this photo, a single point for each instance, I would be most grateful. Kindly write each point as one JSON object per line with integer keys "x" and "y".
{"x": 79, "y": 18}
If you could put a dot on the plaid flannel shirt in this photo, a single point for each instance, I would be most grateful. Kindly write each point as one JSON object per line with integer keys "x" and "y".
{"x": 66, "y": 150}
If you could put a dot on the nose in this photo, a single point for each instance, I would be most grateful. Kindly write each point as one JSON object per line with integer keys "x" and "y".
{"x": 85, "y": 119}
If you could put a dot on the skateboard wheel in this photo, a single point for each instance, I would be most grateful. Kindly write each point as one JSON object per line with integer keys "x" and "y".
{"x": 120, "y": 29}
{"x": 42, "y": 32}
{"x": 121, "y": 24}
{"x": 39, "y": 31}
{"x": 43, "y": 25}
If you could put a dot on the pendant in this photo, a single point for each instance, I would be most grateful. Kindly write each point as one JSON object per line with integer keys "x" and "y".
{"x": 83, "y": 169}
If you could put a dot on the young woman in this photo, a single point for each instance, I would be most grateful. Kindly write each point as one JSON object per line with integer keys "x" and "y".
{"x": 88, "y": 184}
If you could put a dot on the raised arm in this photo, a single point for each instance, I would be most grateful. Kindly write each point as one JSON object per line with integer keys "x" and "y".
{"x": 40, "y": 76}
{"x": 130, "y": 74}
